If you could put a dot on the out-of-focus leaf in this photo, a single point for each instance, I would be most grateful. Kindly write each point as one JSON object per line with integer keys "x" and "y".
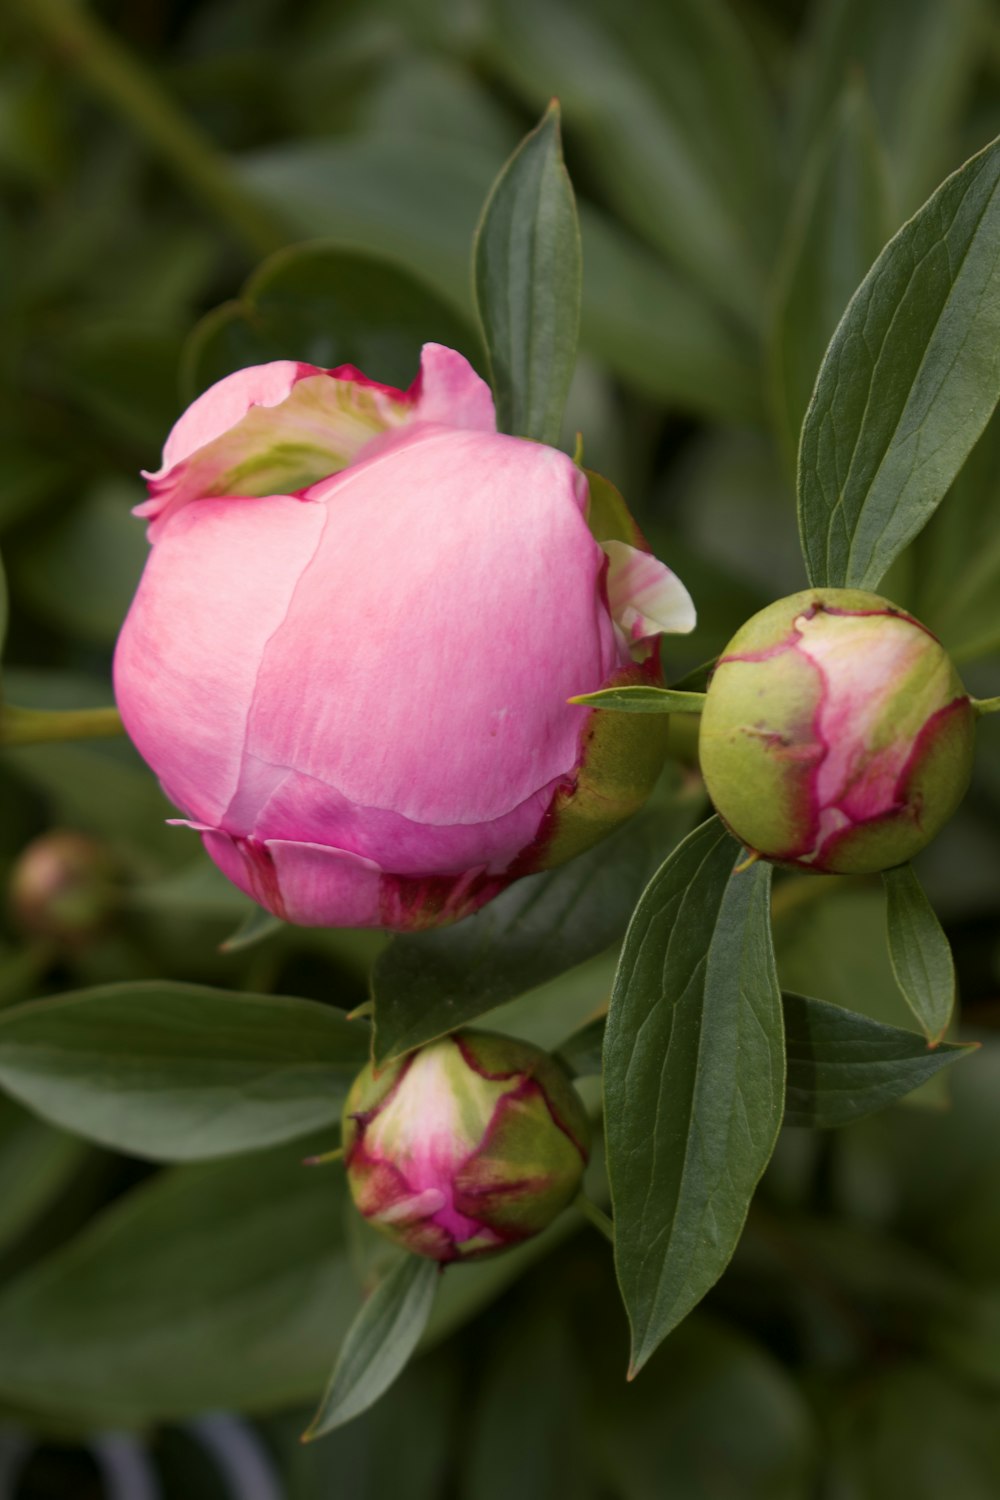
{"x": 920, "y": 953}
{"x": 378, "y": 1343}
{"x": 540, "y": 1398}
{"x": 428, "y": 984}
{"x": 839, "y": 224}
{"x": 908, "y": 383}
{"x": 675, "y": 118}
{"x": 394, "y": 195}
{"x": 842, "y": 1065}
{"x": 913, "y": 1430}
{"x": 693, "y": 1078}
{"x": 83, "y": 569}
{"x": 582, "y": 1052}
{"x": 178, "y": 1072}
{"x": 917, "y": 58}
{"x": 125, "y": 377}
{"x": 257, "y": 925}
{"x": 668, "y": 1424}
{"x": 526, "y": 263}
{"x": 328, "y": 306}
{"x": 35, "y": 1163}
{"x": 213, "y": 1286}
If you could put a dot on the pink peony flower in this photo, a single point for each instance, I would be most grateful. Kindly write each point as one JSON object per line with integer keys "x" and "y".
{"x": 468, "y": 1145}
{"x": 349, "y": 656}
{"x": 837, "y": 735}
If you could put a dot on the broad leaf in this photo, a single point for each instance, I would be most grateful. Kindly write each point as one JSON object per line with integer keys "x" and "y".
{"x": 426, "y": 985}
{"x": 527, "y": 277}
{"x": 842, "y": 1065}
{"x": 907, "y": 385}
{"x": 175, "y": 1071}
{"x": 36, "y": 1165}
{"x": 693, "y": 1078}
{"x": 222, "y": 1285}
{"x": 379, "y": 1342}
{"x": 920, "y": 952}
{"x": 839, "y": 224}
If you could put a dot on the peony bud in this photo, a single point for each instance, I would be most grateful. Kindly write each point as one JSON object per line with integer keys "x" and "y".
{"x": 836, "y": 735}
{"x": 468, "y": 1145}
{"x": 350, "y": 654}
{"x": 62, "y": 886}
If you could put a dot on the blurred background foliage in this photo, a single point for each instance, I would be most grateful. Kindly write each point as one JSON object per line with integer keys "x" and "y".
{"x": 193, "y": 185}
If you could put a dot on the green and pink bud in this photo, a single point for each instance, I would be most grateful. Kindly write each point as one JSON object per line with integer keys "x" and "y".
{"x": 837, "y": 735}
{"x": 62, "y": 887}
{"x": 467, "y": 1146}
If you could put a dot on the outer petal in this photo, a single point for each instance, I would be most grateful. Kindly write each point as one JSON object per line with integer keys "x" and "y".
{"x": 645, "y": 598}
{"x": 484, "y": 561}
{"x": 281, "y": 427}
{"x": 303, "y": 883}
{"x": 212, "y": 595}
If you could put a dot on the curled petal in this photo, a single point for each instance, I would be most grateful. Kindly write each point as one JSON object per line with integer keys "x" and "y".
{"x": 645, "y": 598}
{"x": 281, "y": 427}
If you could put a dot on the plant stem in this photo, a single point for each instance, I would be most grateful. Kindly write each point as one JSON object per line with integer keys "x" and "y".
{"x": 113, "y": 72}
{"x": 595, "y": 1216}
{"x": 35, "y": 726}
{"x": 986, "y": 705}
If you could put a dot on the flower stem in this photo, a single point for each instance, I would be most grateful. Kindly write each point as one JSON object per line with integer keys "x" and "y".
{"x": 986, "y": 705}
{"x": 35, "y": 726}
{"x": 112, "y": 71}
{"x": 595, "y": 1216}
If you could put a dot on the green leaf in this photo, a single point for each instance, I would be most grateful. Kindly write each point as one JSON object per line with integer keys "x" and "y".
{"x": 222, "y": 1285}
{"x": 36, "y": 1163}
{"x": 426, "y": 985}
{"x": 644, "y": 700}
{"x": 842, "y": 1065}
{"x": 177, "y": 1072}
{"x": 693, "y": 1078}
{"x": 329, "y": 306}
{"x": 379, "y": 1342}
{"x": 907, "y": 385}
{"x": 528, "y": 275}
{"x": 920, "y": 952}
{"x": 582, "y": 1052}
{"x": 839, "y": 224}
{"x": 257, "y": 925}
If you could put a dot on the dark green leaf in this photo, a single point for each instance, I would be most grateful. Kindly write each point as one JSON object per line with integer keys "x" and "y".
{"x": 693, "y": 1078}
{"x": 644, "y": 700}
{"x": 222, "y": 1285}
{"x": 329, "y": 306}
{"x": 842, "y": 1065}
{"x": 378, "y": 1343}
{"x": 582, "y": 1052}
{"x": 527, "y": 278}
{"x": 36, "y": 1162}
{"x": 426, "y": 985}
{"x": 839, "y": 224}
{"x": 177, "y": 1072}
{"x": 920, "y": 952}
{"x": 907, "y": 385}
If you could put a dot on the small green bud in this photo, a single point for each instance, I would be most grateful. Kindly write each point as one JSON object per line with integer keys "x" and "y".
{"x": 466, "y": 1146}
{"x": 836, "y": 734}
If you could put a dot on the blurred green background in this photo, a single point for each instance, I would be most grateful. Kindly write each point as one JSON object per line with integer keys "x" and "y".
{"x": 738, "y": 165}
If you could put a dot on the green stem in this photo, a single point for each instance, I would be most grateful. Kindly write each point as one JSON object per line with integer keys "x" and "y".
{"x": 112, "y": 71}
{"x": 986, "y": 705}
{"x": 595, "y": 1216}
{"x": 35, "y": 726}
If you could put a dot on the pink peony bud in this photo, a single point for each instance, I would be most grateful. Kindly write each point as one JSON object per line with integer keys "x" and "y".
{"x": 349, "y": 656}
{"x": 465, "y": 1147}
{"x": 837, "y": 735}
{"x": 62, "y": 887}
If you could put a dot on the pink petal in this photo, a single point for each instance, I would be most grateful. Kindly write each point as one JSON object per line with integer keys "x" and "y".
{"x": 645, "y": 598}
{"x": 303, "y": 883}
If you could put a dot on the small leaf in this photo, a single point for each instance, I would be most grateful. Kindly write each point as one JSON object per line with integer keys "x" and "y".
{"x": 257, "y": 925}
{"x": 177, "y": 1072}
{"x": 426, "y": 985}
{"x": 907, "y": 385}
{"x": 378, "y": 1344}
{"x": 582, "y": 1052}
{"x": 920, "y": 952}
{"x": 527, "y": 279}
{"x": 693, "y": 1078}
{"x": 842, "y": 1065}
{"x": 644, "y": 700}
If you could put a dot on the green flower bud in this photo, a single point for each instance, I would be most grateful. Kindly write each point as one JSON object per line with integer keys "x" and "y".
{"x": 837, "y": 735}
{"x": 466, "y": 1146}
